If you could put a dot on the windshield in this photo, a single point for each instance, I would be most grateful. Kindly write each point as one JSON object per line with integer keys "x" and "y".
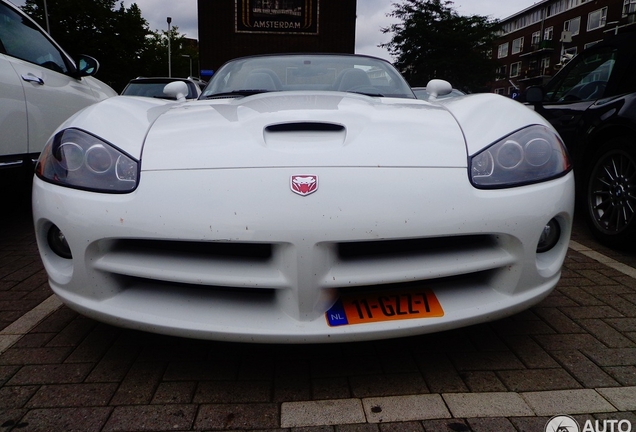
{"x": 347, "y": 73}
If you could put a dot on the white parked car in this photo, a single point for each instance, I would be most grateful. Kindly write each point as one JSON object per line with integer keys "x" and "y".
{"x": 303, "y": 198}
{"x": 40, "y": 87}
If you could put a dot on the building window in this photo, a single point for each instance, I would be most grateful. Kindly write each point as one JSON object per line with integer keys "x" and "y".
{"x": 503, "y": 50}
{"x": 501, "y": 73}
{"x": 517, "y": 45}
{"x": 548, "y": 33}
{"x": 597, "y": 19}
{"x": 500, "y": 91}
{"x": 536, "y": 38}
{"x": 587, "y": 45}
{"x": 545, "y": 66}
{"x": 572, "y": 26}
{"x": 515, "y": 69}
{"x": 629, "y": 7}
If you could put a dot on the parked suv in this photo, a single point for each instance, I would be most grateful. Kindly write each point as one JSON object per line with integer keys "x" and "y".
{"x": 592, "y": 103}
{"x": 40, "y": 87}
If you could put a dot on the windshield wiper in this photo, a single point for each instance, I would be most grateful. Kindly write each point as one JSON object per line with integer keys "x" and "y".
{"x": 367, "y": 94}
{"x": 237, "y": 93}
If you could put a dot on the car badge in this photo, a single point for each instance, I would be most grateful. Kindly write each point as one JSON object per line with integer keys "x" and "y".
{"x": 304, "y": 185}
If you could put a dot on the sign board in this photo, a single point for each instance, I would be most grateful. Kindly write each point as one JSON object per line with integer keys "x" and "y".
{"x": 299, "y": 17}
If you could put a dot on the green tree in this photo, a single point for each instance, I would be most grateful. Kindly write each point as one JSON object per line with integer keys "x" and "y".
{"x": 434, "y": 41}
{"x": 116, "y": 36}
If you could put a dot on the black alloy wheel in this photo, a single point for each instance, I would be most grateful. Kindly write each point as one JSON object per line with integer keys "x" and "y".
{"x": 611, "y": 193}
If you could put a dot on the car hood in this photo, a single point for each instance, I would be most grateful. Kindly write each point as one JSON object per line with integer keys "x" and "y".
{"x": 295, "y": 129}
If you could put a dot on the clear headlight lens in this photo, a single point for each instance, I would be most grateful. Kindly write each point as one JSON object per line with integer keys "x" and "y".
{"x": 531, "y": 155}
{"x": 77, "y": 159}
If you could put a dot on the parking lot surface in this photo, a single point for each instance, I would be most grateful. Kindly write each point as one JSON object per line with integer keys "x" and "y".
{"x": 574, "y": 353}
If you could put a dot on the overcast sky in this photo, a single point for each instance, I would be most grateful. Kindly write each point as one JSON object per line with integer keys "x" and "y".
{"x": 372, "y": 16}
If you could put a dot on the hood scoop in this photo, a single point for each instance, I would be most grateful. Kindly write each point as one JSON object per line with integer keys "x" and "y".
{"x": 304, "y": 136}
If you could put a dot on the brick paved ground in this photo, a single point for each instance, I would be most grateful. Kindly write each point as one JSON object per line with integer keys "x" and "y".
{"x": 573, "y": 353}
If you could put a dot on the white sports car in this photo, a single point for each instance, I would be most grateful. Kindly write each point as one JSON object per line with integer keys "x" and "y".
{"x": 303, "y": 198}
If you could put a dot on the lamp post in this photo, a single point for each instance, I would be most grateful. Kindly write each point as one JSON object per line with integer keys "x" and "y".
{"x": 189, "y": 58}
{"x": 169, "y": 59}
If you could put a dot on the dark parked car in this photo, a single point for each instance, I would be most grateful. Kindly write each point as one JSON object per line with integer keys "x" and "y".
{"x": 592, "y": 103}
{"x": 153, "y": 87}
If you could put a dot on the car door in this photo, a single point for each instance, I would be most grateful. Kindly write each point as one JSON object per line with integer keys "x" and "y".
{"x": 13, "y": 115}
{"x": 52, "y": 91}
{"x": 579, "y": 86}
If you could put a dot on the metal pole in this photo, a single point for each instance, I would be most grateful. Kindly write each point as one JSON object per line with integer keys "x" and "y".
{"x": 169, "y": 58}
{"x": 46, "y": 18}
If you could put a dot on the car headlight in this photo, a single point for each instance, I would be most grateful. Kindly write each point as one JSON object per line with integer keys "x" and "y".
{"x": 79, "y": 160}
{"x": 530, "y": 155}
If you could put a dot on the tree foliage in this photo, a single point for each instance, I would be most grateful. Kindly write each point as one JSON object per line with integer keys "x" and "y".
{"x": 434, "y": 41}
{"x": 118, "y": 37}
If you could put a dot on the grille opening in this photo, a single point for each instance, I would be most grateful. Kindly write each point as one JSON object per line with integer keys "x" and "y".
{"x": 256, "y": 251}
{"x": 457, "y": 281}
{"x": 388, "y": 248}
{"x": 254, "y": 294}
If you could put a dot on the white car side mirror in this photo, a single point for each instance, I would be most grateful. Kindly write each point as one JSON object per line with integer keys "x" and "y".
{"x": 177, "y": 90}
{"x": 437, "y": 87}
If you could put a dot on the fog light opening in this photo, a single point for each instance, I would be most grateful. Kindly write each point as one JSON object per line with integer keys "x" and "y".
{"x": 549, "y": 236}
{"x": 57, "y": 243}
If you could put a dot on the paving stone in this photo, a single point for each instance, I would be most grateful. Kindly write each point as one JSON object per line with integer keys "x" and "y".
{"x": 237, "y": 416}
{"x": 440, "y": 374}
{"x": 537, "y": 379}
{"x": 583, "y": 369}
{"x": 200, "y": 370}
{"x": 115, "y": 364}
{"x": 612, "y": 356}
{"x": 34, "y": 356}
{"x": 65, "y": 419}
{"x": 497, "y": 424}
{"x": 402, "y": 427}
{"x": 73, "y": 395}
{"x": 140, "y": 384}
{"x": 174, "y": 392}
{"x": 464, "y": 405}
{"x": 387, "y": 385}
{"x": 622, "y": 324}
{"x": 558, "y": 320}
{"x": 492, "y": 360}
{"x": 606, "y": 333}
{"x": 327, "y": 412}
{"x": 330, "y": 388}
{"x": 571, "y": 341}
{"x": 623, "y": 398}
{"x": 405, "y": 408}
{"x": 233, "y": 392}
{"x": 625, "y": 375}
{"x": 361, "y": 427}
{"x": 483, "y": 381}
{"x": 550, "y": 403}
{"x": 15, "y": 396}
{"x": 530, "y": 353}
{"x": 51, "y": 374}
{"x": 450, "y": 425}
{"x": 151, "y": 418}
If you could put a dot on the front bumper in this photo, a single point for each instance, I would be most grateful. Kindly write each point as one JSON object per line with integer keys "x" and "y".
{"x": 234, "y": 254}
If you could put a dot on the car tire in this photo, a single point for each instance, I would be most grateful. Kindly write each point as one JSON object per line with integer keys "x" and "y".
{"x": 610, "y": 193}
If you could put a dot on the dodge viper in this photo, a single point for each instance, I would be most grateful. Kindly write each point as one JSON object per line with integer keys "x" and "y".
{"x": 303, "y": 198}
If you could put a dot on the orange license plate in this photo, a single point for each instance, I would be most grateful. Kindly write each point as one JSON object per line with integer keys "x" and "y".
{"x": 382, "y": 306}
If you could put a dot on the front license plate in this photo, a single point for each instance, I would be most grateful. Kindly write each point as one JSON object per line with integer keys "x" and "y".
{"x": 377, "y": 307}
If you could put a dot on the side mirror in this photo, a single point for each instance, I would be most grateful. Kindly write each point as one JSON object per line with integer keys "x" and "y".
{"x": 437, "y": 88}
{"x": 177, "y": 90}
{"x": 87, "y": 66}
{"x": 535, "y": 95}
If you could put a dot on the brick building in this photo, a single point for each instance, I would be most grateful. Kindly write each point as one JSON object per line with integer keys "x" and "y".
{"x": 536, "y": 42}
{"x": 235, "y": 28}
